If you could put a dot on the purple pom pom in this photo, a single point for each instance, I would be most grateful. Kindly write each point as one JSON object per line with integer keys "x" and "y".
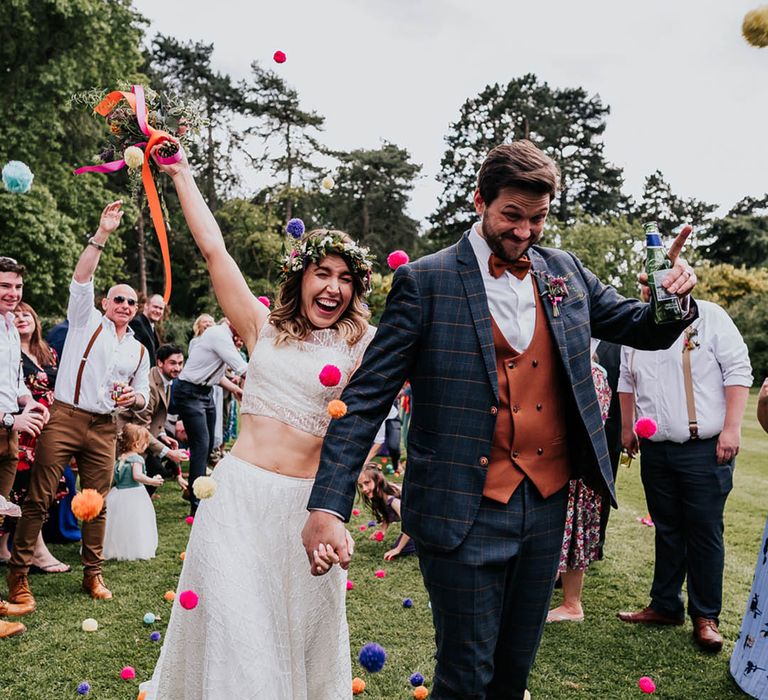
{"x": 407, "y": 603}
{"x": 155, "y": 636}
{"x": 295, "y": 227}
{"x": 84, "y": 688}
{"x": 372, "y": 657}
{"x": 417, "y": 679}
{"x": 372, "y": 523}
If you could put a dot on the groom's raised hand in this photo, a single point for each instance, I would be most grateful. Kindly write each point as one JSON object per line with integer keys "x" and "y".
{"x": 325, "y": 529}
{"x": 681, "y": 278}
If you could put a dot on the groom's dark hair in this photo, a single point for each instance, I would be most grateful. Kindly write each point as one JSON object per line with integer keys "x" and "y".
{"x": 517, "y": 164}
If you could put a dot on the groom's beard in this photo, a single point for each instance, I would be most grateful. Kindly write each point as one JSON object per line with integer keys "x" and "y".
{"x": 505, "y": 244}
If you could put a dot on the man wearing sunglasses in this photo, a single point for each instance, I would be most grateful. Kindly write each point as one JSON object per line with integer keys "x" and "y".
{"x": 103, "y": 369}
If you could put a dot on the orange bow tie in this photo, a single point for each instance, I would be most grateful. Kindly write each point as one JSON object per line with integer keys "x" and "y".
{"x": 519, "y": 268}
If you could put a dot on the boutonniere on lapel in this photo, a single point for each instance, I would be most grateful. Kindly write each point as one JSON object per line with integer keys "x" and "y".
{"x": 690, "y": 339}
{"x": 556, "y": 288}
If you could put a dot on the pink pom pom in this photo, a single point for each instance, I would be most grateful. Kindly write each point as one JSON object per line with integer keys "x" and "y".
{"x": 279, "y": 57}
{"x": 355, "y": 511}
{"x": 380, "y": 573}
{"x": 350, "y": 585}
{"x": 265, "y": 301}
{"x": 645, "y": 427}
{"x": 379, "y": 536}
{"x": 330, "y": 375}
{"x": 363, "y": 528}
{"x": 646, "y": 684}
{"x": 128, "y": 673}
{"x": 189, "y": 519}
{"x": 397, "y": 258}
{"x": 188, "y": 600}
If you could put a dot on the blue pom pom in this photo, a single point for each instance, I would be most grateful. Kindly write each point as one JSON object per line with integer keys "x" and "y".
{"x": 149, "y": 618}
{"x": 407, "y": 603}
{"x": 295, "y": 227}
{"x": 372, "y": 657}
{"x": 372, "y": 523}
{"x": 417, "y": 679}
{"x": 17, "y": 177}
{"x": 154, "y": 637}
{"x": 84, "y": 688}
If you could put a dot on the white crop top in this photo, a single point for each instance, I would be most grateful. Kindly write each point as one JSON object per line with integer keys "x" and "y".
{"x": 283, "y": 382}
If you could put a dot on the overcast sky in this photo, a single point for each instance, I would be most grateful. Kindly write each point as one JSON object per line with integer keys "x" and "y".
{"x": 687, "y": 94}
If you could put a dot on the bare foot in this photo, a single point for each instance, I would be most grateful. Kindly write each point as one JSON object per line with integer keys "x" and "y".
{"x": 566, "y": 613}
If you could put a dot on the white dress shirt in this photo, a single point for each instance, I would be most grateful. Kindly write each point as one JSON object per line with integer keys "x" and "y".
{"x": 111, "y": 359}
{"x": 210, "y": 355}
{"x": 512, "y": 301}
{"x": 656, "y": 377}
{"x": 12, "y": 384}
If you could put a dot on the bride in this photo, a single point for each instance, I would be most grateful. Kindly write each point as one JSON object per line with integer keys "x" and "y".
{"x": 264, "y": 626}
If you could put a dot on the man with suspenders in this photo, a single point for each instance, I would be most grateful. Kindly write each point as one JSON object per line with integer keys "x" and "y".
{"x": 104, "y": 368}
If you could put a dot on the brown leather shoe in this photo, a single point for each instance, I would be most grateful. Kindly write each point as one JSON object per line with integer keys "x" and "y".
{"x": 19, "y": 591}
{"x": 14, "y": 609}
{"x": 11, "y": 629}
{"x": 93, "y": 584}
{"x": 649, "y": 616}
{"x": 706, "y": 634}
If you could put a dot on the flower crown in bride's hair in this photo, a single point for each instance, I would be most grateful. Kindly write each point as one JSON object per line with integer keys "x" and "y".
{"x": 315, "y": 246}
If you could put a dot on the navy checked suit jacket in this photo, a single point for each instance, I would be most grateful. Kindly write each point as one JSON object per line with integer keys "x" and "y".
{"x": 436, "y": 332}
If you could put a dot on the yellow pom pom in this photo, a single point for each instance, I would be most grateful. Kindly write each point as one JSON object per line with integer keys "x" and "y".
{"x": 358, "y": 686}
{"x": 327, "y": 183}
{"x": 87, "y": 504}
{"x": 755, "y": 27}
{"x": 337, "y": 408}
{"x": 169, "y": 596}
{"x": 421, "y": 692}
{"x": 89, "y": 625}
{"x": 133, "y": 157}
{"x": 204, "y": 487}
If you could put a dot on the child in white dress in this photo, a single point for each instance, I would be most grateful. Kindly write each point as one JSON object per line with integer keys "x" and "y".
{"x": 131, "y": 531}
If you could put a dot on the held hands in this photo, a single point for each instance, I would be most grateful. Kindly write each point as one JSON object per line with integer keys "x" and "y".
{"x": 681, "y": 279}
{"x": 326, "y": 542}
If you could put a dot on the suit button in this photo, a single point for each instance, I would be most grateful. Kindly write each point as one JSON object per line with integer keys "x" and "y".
{"x": 483, "y": 461}
{"x": 494, "y": 410}
{"x": 515, "y": 454}
{"x": 538, "y": 406}
{"x": 515, "y": 408}
{"x": 535, "y": 363}
{"x": 511, "y": 364}
{"x": 540, "y": 451}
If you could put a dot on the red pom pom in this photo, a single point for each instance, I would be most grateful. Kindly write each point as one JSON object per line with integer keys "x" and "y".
{"x": 265, "y": 301}
{"x": 128, "y": 673}
{"x": 350, "y": 585}
{"x": 379, "y": 536}
{"x": 189, "y": 519}
{"x": 380, "y": 573}
{"x": 330, "y": 375}
{"x": 188, "y": 600}
{"x": 87, "y": 504}
{"x": 279, "y": 57}
{"x": 363, "y": 528}
{"x": 397, "y": 258}
{"x": 646, "y": 684}
{"x": 355, "y": 511}
{"x": 645, "y": 427}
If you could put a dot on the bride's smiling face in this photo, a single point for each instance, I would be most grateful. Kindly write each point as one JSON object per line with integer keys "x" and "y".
{"x": 326, "y": 290}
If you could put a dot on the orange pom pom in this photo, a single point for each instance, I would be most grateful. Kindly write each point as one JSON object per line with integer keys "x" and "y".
{"x": 169, "y": 596}
{"x": 421, "y": 692}
{"x": 142, "y": 695}
{"x": 182, "y": 555}
{"x": 337, "y": 409}
{"x": 87, "y": 504}
{"x": 358, "y": 686}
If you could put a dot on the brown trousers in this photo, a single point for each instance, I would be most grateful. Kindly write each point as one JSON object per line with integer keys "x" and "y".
{"x": 9, "y": 460}
{"x": 90, "y": 439}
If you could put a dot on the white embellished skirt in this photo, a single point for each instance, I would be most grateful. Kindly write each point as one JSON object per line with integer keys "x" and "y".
{"x": 264, "y": 627}
{"x": 131, "y": 529}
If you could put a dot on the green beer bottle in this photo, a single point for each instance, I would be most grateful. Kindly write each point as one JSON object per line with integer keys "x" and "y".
{"x": 666, "y": 306}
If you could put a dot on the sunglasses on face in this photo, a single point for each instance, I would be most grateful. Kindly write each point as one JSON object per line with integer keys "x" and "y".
{"x": 119, "y": 299}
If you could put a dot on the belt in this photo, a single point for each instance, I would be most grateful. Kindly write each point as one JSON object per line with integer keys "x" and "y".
{"x": 184, "y": 385}
{"x": 77, "y": 409}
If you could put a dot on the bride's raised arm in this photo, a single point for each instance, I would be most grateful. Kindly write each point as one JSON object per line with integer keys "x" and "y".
{"x": 246, "y": 313}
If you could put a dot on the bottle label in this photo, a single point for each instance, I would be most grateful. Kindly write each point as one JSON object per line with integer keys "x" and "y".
{"x": 662, "y": 293}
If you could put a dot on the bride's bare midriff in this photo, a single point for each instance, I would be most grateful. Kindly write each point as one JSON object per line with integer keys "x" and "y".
{"x": 269, "y": 444}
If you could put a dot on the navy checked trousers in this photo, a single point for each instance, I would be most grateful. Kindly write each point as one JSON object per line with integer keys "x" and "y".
{"x": 490, "y": 596}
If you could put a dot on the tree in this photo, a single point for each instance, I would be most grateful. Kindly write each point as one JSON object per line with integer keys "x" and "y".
{"x": 750, "y": 314}
{"x": 369, "y": 199}
{"x": 738, "y": 240}
{"x": 286, "y": 133}
{"x": 566, "y": 123}
{"x": 727, "y": 285}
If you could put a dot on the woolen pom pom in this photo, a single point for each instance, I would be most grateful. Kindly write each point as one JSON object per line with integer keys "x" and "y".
{"x": 420, "y": 693}
{"x": 84, "y": 688}
{"x": 645, "y": 427}
{"x": 169, "y": 596}
{"x": 154, "y": 637}
{"x": 337, "y": 408}
{"x": 279, "y": 57}
{"x": 128, "y": 673}
{"x": 87, "y": 504}
{"x": 363, "y": 528}
{"x": 89, "y": 625}
{"x": 133, "y": 157}
{"x": 182, "y": 555}
{"x": 358, "y": 686}
{"x": 647, "y": 685}
{"x": 350, "y": 585}
{"x": 330, "y": 375}
{"x": 149, "y": 618}
{"x": 265, "y": 301}
{"x": 355, "y": 511}
{"x": 755, "y": 27}
{"x": 416, "y": 679}
{"x": 372, "y": 657}
{"x": 379, "y": 536}
{"x": 295, "y": 227}
{"x": 327, "y": 183}
{"x": 188, "y": 600}
{"x": 143, "y": 695}
{"x": 371, "y": 523}
{"x": 380, "y": 573}
{"x": 189, "y": 519}
{"x": 17, "y": 177}
{"x": 397, "y": 258}
{"x": 204, "y": 487}
{"x": 408, "y": 603}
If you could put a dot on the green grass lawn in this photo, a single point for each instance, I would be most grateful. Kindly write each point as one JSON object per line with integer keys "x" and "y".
{"x": 599, "y": 658}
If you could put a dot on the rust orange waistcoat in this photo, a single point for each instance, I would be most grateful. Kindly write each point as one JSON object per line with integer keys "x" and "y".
{"x": 530, "y": 438}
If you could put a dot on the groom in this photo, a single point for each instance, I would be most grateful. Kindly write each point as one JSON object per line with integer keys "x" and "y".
{"x": 494, "y": 335}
